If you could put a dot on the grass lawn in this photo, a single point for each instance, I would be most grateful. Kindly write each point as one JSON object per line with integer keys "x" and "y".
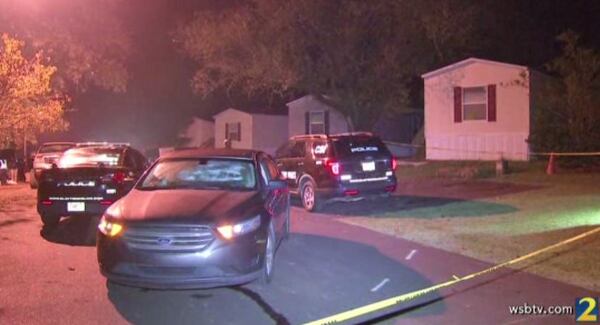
{"x": 494, "y": 218}
{"x": 16, "y": 198}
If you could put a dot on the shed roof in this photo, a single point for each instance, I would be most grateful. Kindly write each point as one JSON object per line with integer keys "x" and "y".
{"x": 466, "y": 62}
{"x": 211, "y": 153}
{"x": 304, "y": 98}
{"x": 252, "y": 111}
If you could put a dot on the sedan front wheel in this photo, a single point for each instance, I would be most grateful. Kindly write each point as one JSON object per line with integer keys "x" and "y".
{"x": 269, "y": 258}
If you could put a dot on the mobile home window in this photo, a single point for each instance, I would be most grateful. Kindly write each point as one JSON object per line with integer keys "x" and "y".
{"x": 317, "y": 122}
{"x": 474, "y": 104}
{"x": 233, "y": 131}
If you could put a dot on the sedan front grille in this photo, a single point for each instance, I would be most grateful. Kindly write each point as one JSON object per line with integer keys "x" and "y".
{"x": 171, "y": 238}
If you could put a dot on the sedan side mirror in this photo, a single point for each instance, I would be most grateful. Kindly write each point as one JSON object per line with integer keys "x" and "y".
{"x": 277, "y": 185}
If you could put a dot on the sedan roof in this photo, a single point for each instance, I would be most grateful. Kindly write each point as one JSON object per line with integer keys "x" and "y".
{"x": 55, "y": 143}
{"x": 220, "y": 153}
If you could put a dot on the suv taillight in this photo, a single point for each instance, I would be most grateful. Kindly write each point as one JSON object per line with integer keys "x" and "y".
{"x": 117, "y": 177}
{"x": 334, "y": 167}
{"x": 394, "y": 163}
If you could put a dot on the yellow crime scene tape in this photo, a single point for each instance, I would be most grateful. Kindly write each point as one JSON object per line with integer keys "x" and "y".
{"x": 360, "y": 311}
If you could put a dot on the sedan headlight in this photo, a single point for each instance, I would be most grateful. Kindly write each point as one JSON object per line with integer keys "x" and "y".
{"x": 230, "y": 231}
{"x": 109, "y": 228}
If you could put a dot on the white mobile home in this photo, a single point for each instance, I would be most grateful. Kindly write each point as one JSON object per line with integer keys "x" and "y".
{"x": 477, "y": 110}
{"x": 308, "y": 115}
{"x": 250, "y": 130}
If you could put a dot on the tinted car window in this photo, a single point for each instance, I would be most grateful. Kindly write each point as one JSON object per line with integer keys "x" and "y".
{"x": 130, "y": 160}
{"x": 298, "y": 149}
{"x": 82, "y": 157}
{"x": 273, "y": 170}
{"x": 360, "y": 145}
{"x": 270, "y": 168}
{"x": 284, "y": 150}
{"x": 55, "y": 148}
{"x": 204, "y": 173}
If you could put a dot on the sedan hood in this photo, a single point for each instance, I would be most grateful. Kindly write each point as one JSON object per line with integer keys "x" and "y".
{"x": 187, "y": 205}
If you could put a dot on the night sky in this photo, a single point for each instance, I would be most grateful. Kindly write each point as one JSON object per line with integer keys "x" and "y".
{"x": 159, "y": 101}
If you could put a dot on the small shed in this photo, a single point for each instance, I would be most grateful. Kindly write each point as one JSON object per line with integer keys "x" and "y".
{"x": 246, "y": 130}
{"x": 478, "y": 109}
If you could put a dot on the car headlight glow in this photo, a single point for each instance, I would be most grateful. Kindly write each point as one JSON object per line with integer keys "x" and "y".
{"x": 109, "y": 228}
{"x": 229, "y": 231}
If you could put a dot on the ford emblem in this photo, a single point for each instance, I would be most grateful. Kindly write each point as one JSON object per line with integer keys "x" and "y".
{"x": 163, "y": 241}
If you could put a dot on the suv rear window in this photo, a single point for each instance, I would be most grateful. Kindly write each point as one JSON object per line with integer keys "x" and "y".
{"x": 359, "y": 145}
{"x": 55, "y": 148}
{"x": 81, "y": 157}
{"x": 291, "y": 149}
{"x": 320, "y": 149}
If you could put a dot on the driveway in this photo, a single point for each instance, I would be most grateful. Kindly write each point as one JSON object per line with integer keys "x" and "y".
{"x": 326, "y": 267}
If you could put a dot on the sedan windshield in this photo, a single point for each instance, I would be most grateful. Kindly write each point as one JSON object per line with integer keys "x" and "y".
{"x": 205, "y": 173}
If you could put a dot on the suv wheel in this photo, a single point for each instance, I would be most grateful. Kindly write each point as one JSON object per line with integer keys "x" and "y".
{"x": 50, "y": 220}
{"x": 269, "y": 258}
{"x": 309, "y": 198}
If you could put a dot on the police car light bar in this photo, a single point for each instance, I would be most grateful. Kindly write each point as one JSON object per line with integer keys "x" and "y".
{"x": 95, "y": 144}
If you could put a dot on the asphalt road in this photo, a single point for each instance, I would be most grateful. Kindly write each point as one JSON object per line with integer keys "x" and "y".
{"x": 51, "y": 277}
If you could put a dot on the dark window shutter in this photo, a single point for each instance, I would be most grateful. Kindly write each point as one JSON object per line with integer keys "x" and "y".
{"x": 239, "y": 129}
{"x": 457, "y": 105}
{"x": 306, "y": 123}
{"x": 226, "y": 131}
{"x": 491, "y": 103}
{"x": 326, "y": 121}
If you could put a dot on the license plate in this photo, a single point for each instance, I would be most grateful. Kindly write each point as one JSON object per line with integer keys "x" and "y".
{"x": 368, "y": 166}
{"x": 75, "y": 206}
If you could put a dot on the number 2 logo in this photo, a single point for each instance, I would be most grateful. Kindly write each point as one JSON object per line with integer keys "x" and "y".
{"x": 586, "y": 309}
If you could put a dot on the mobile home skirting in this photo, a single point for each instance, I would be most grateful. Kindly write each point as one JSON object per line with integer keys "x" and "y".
{"x": 509, "y": 146}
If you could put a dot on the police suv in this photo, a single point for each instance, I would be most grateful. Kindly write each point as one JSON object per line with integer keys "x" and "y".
{"x": 320, "y": 167}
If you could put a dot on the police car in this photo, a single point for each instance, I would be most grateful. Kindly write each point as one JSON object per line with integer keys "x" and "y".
{"x": 319, "y": 167}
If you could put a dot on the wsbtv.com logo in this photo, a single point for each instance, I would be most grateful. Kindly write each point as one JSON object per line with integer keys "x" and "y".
{"x": 586, "y": 309}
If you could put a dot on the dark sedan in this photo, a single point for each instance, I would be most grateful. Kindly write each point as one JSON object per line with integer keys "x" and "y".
{"x": 197, "y": 219}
